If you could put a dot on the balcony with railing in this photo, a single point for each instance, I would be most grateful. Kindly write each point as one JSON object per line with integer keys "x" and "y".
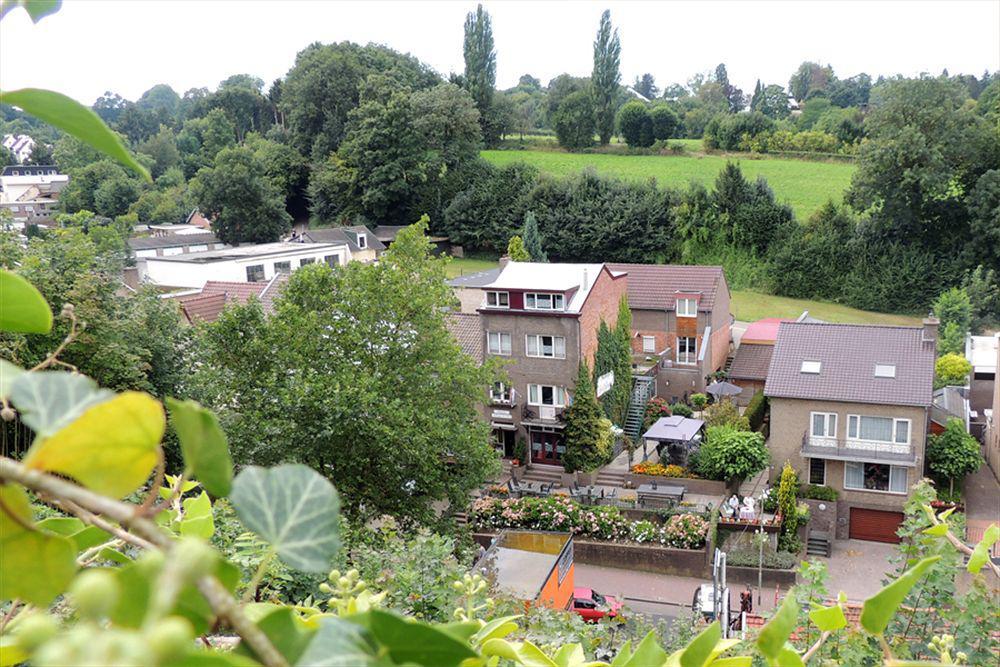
{"x": 869, "y": 451}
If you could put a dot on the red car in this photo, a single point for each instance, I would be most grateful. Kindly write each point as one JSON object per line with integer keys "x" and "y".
{"x": 593, "y": 606}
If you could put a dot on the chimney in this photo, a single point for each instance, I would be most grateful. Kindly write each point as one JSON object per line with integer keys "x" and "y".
{"x": 930, "y": 333}
{"x": 504, "y": 261}
{"x": 584, "y": 285}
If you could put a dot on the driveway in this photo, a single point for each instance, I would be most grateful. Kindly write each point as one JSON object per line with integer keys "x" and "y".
{"x": 982, "y": 504}
{"x": 858, "y": 567}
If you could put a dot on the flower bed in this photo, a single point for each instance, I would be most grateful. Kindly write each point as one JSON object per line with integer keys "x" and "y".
{"x": 660, "y": 470}
{"x": 681, "y": 531}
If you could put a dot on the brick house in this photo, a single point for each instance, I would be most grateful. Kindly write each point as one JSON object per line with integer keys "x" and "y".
{"x": 681, "y": 324}
{"x": 850, "y": 409}
{"x": 540, "y": 321}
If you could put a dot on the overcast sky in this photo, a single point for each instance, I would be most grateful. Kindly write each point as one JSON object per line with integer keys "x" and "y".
{"x": 95, "y": 45}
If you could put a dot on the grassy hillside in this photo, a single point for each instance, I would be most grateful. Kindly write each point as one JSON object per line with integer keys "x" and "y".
{"x": 804, "y": 184}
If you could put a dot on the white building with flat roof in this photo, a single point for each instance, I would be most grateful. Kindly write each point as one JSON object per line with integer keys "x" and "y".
{"x": 245, "y": 263}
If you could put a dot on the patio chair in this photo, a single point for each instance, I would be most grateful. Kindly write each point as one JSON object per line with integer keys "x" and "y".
{"x": 514, "y": 487}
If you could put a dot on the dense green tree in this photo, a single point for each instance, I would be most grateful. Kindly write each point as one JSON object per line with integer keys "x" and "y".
{"x": 635, "y": 124}
{"x": 809, "y": 77}
{"x": 480, "y": 60}
{"x": 984, "y": 220}
{"x": 533, "y": 239}
{"x": 110, "y": 106}
{"x": 201, "y": 139}
{"x": 732, "y": 456}
{"x": 603, "y": 364}
{"x": 852, "y": 92}
{"x": 160, "y": 97}
{"x": 244, "y": 105}
{"x": 812, "y": 260}
{"x": 951, "y": 369}
{"x": 138, "y": 123}
{"x": 115, "y": 195}
{"x": 751, "y": 216}
{"x": 489, "y": 211}
{"x": 954, "y": 306}
{"x": 287, "y": 169}
{"x": 41, "y": 154}
{"x": 732, "y": 94}
{"x": 621, "y": 363}
{"x": 951, "y": 339}
{"x": 6, "y": 157}
{"x": 574, "y": 121}
{"x": 730, "y": 131}
{"x": 665, "y": 121}
{"x": 70, "y": 153}
{"x": 772, "y": 101}
{"x": 984, "y": 294}
{"x": 559, "y": 89}
{"x": 103, "y": 187}
{"x": 606, "y": 77}
{"x": 243, "y": 204}
{"x": 583, "y": 426}
{"x": 324, "y": 86}
{"x": 516, "y": 251}
{"x": 162, "y": 148}
{"x": 953, "y": 454}
{"x": 646, "y": 86}
{"x": 348, "y": 361}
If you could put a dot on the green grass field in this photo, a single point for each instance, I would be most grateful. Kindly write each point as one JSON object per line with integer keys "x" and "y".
{"x": 805, "y": 184}
{"x": 461, "y": 266}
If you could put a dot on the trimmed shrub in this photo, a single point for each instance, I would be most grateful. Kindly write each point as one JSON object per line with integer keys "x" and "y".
{"x": 755, "y": 411}
{"x": 698, "y": 401}
{"x": 816, "y": 492}
{"x": 772, "y": 560}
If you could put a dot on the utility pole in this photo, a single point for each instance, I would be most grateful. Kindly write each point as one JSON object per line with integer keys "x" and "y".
{"x": 760, "y": 559}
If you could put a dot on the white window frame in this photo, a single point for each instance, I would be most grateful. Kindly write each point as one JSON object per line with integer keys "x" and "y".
{"x": 811, "y": 367}
{"x": 500, "y": 337}
{"x": 896, "y": 421}
{"x": 534, "y": 342}
{"x": 691, "y": 354}
{"x": 810, "y": 472}
{"x": 362, "y": 241}
{"x": 535, "y": 391}
{"x": 500, "y": 299}
{"x": 533, "y": 300}
{"x": 501, "y": 392}
{"x": 829, "y": 424}
{"x": 887, "y": 371}
{"x": 263, "y": 275}
{"x": 282, "y": 267}
{"x": 894, "y": 471}
{"x": 689, "y": 309}
{"x": 649, "y": 344}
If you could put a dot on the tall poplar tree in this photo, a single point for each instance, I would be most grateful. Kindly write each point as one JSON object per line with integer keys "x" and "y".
{"x": 606, "y": 76}
{"x": 622, "y": 362}
{"x": 583, "y": 426}
{"x": 480, "y": 59}
{"x": 533, "y": 238}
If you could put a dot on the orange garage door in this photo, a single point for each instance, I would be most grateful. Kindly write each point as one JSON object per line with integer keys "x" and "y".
{"x": 875, "y": 525}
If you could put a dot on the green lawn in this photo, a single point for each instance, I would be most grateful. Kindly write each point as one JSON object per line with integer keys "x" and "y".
{"x": 750, "y": 306}
{"x": 805, "y": 184}
{"x": 460, "y": 266}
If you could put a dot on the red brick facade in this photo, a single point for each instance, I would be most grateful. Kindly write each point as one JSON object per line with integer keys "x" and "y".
{"x": 601, "y": 304}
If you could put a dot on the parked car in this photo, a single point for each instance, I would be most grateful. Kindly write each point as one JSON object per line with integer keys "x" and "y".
{"x": 593, "y": 606}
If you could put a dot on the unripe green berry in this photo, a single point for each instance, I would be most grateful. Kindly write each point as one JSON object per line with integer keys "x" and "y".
{"x": 34, "y": 630}
{"x": 334, "y": 575}
{"x": 94, "y": 593}
{"x": 171, "y": 638}
{"x": 325, "y": 588}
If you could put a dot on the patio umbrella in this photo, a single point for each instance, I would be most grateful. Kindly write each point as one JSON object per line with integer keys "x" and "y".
{"x": 722, "y": 389}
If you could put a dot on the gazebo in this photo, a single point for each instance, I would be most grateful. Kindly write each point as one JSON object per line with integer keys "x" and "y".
{"x": 674, "y": 437}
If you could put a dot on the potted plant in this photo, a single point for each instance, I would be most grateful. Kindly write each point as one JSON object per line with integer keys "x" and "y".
{"x": 518, "y": 463}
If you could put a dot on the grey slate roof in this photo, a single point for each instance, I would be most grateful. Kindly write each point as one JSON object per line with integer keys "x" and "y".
{"x": 655, "y": 286}
{"x": 848, "y": 354}
{"x": 172, "y": 241}
{"x": 468, "y": 331}
{"x": 751, "y": 362}
{"x": 346, "y": 234}
{"x": 478, "y": 279}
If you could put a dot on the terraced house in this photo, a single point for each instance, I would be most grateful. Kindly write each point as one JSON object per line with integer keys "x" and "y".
{"x": 850, "y": 407}
{"x": 542, "y": 320}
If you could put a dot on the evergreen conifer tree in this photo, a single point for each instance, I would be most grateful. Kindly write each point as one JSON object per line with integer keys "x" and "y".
{"x": 480, "y": 60}
{"x": 516, "y": 251}
{"x": 606, "y": 76}
{"x": 583, "y": 425}
{"x": 533, "y": 238}
{"x": 622, "y": 363}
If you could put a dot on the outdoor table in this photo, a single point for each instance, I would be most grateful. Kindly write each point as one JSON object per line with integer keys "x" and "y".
{"x": 534, "y": 489}
{"x": 747, "y": 514}
{"x": 661, "y": 494}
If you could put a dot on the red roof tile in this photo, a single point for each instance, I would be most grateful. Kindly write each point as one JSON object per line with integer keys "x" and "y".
{"x": 203, "y": 307}
{"x": 656, "y": 286}
{"x": 763, "y": 331}
{"x": 238, "y": 292}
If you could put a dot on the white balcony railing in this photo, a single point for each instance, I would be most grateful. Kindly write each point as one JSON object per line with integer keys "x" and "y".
{"x": 857, "y": 450}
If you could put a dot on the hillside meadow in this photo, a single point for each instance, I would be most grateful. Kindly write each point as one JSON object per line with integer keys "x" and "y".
{"x": 804, "y": 184}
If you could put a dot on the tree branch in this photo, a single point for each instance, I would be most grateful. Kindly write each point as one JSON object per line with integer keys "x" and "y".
{"x": 815, "y": 647}
{"x": 144, "y": 531}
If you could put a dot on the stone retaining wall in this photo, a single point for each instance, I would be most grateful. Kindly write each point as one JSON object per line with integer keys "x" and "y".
{"x": 742, "y": 576}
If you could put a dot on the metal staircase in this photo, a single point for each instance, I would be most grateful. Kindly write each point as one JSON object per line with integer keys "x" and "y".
{"x": 642, "y": 390}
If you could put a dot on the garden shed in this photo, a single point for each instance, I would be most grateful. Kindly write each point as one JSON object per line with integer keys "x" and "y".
{"x": 674, "y": 438}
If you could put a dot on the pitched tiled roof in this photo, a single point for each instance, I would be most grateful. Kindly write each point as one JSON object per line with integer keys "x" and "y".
{"x": 171, "y": 241}
{"x": 751, "y": 362}
{"x": 234, "y": 291}
{"x": 847, "y": 354}
{"x": 272, "y": 291}
{"x": 203, "y": 307}
{"x": 217, "y": 294}
{"x": 762, "y": 331}
{"x": 655, "y": 286}
{"x": 346, "y": 234}
{"x": 468, "y": 331}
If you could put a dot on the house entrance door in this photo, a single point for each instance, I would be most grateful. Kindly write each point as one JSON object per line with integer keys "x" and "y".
{"x": 546, "y": 447}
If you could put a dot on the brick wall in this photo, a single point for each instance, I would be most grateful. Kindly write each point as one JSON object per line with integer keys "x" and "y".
{"x": 601, "y": 304}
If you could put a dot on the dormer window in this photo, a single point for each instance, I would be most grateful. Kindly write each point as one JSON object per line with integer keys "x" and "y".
{"x": 687, "y": 307}
{"x": 885, "y": 370}
{"x": 811, "y": 367}
{"x": 497, "y": 300}
{"x": 534, "y": 301}
{"x": 362, "y": 241}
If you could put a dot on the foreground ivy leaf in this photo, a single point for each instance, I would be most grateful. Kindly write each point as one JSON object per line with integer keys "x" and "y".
{"x": 788, "y": 657}
{"x": 522, "y": 653}
{"x": 773, "y": 636}
{"x": 51, "y": 400}
{"x": 340, "y": 643}
{"x": 203, "y": 444}
{"x": 879, "y": 609}
{"x": 828, "y": 619}
{"x": 410, "y": 642}
{"x": 8, "y": 373}
{"x": 647, "y": 652}
{"x": 36, "y": 566}
{"x": 24, "y": 308}
{"x": 288, "y": 634}
{"x": 981, "y": 553}
{"x": 73, "y": 118}
{"x": 197, "y": 519}
{"x": 295, "y": 509}
{"x": 37, "y": 9}
{"x": 83, "y": 536}
{"x": 110, "y": 448}
{"x": 697, "y": 653}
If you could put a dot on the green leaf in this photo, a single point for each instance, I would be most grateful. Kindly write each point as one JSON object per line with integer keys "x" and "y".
{"x": 495, "y": 629}
{"x": 8, "y": 373}
{"x": 938, "y": 530}
{"x": 73, "y": 118}
{"x": 697, "y": 653}
{"x": 878, "y": 609}
{"x": 788, "y": 657}
{"x": 339, "y": 643}
{"x": 203, "y": 658}
{"x": 83, "y": 536}
{"x": 10, "y": 651}
{"x": 113, "y": 556}
{"x": 203, "y": 444}
{"x": 773, "y": 636}
{"x": 37, "y": 567}
{"x": 523, "y": 653}
{"x": 37, "y": 9}
{"x": 736, "y": 661}
{"x": 569, "y": 655}
{"x": 463, "y": 631}
{"x": 981, "y": 553}
{"x": 647, "y": 652}
{"x": 415, "y": 642}
{"x": 197, "y": 519}
{"x": 295, "y": 509}
{"x": 287, "y": 633}
{"x": 15, "y": 500}
{"x": 111, "y": 448}
{"x": 51, "y": 400}
{"x": 828, "y": 619}
{"x": 24, "y": 308}
{"x": 623, "y": 656}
